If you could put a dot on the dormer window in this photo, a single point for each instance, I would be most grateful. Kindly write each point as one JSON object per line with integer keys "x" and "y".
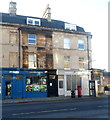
{"x": 33, "y": 21}
{"x": 69, "y": 26}
{"x": 30, "y": 22}
{"x": 72, "y": 27}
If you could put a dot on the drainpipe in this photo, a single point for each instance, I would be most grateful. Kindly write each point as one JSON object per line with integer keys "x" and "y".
{"x": 88, "y": 53}
{"x": 19, "y": 48}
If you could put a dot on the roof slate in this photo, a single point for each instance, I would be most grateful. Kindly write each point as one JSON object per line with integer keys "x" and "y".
{"x": 19, "y": 19}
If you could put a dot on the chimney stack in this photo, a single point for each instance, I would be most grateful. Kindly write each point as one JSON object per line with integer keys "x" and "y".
{"x": 47, "y": 13}
{"x": 12, "y": 8}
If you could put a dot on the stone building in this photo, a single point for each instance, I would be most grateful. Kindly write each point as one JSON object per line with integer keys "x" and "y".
{"x": 32, "y": 42}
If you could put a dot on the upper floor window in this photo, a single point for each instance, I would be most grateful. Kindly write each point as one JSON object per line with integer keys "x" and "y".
{"x": 31, "y": 39}
{"x": 33, "y": 21}
{"x": 66, "y": 61}
{"x": 13, "y": 37}
{"x": 81, "y": 62}
{"x": 69, "y": 26}
{"x": 67, "y": 43}
{"x": 81, "y": 44}
{"x": 32, "y": 61}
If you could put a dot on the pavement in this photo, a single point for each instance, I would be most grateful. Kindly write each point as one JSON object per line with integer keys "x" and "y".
{"x": 46, "y": 99}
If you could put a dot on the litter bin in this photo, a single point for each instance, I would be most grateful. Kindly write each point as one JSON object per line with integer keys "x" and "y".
{"x": 72, "y": 94}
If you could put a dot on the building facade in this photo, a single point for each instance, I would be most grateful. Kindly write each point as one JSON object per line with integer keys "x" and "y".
{"x": 70, "y": 50}
{"x": 98, "y": 76}
{"x": 32, "y": 42}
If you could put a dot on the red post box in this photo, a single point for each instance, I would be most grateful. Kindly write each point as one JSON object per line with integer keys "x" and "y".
{"x": 79, "y": 91}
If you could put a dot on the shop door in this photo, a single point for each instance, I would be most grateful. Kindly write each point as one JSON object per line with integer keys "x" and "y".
{"x": 92, "y": 91}
{"x": 8, "y": 91}
{"x": 52, "y": 85}
{"x": 19, "y": 89}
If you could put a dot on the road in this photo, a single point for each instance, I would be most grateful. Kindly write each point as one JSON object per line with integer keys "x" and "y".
{"x": 86, "y": 108}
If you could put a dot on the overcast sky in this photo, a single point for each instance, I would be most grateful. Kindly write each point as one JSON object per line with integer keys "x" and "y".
{"x": 92, "y": 15}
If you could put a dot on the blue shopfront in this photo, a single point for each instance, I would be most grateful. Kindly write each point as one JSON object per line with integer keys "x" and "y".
{"x": 26, "y": 83}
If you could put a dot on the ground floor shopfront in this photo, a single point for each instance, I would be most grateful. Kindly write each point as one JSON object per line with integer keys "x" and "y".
{"x": 71, "y": 80}
{"x": 26, "y": 83}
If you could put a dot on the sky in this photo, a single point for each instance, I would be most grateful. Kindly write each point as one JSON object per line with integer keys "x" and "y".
{"x": 92, "y": 15}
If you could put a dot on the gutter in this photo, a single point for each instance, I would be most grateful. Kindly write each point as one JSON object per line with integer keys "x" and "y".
{"x": 45, "y": 28}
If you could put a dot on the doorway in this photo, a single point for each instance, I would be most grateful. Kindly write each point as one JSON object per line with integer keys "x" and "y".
{"x": 92, "y": 91}
{"x": 52, "y": 86}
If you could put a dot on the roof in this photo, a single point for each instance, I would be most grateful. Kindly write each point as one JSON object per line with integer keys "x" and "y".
{"x": 19, "y": 19}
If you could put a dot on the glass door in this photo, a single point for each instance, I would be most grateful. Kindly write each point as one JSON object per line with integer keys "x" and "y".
{"x": 92, "y": 91}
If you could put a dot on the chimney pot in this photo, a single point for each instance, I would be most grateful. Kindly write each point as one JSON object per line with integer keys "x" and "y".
{"x": 12, "y": 8}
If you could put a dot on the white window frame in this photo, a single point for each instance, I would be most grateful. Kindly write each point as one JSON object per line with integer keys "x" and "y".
{"x": 33, "y": 21}
{"x": 34, "y": 39}
{"x": 72, "y": 27}
{"x": 66, "y": 43}
{"x": 79, "y": 43}
{"x": 69, "y": 26}
{"x": 32, "y": 61}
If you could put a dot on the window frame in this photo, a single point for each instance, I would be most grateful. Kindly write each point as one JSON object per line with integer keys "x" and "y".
{"x": 69, "y": 26}
{"x": 68, "y": 82}
{"x": 34, "y": 61}
{"x": 32, "y": 39}
{"x": 66, "y": 62}
{"x": 66, "y": 44}
{"x": 81, "y": 62}
{"x": 80, "y": 44}
{"x": 61, "y": 84}
{"x": 36, "y": 83}
{"x": 33, "y": 21}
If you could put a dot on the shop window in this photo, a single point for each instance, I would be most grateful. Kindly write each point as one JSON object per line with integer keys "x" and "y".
{"x": 8, "y": 77}
{"x": 36, "y": 83}
{"x": 74, "y": 80}
{"x": 68, "y": 78}
{"x": 60, "y": 84}
{"x": 8, "y": 88}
